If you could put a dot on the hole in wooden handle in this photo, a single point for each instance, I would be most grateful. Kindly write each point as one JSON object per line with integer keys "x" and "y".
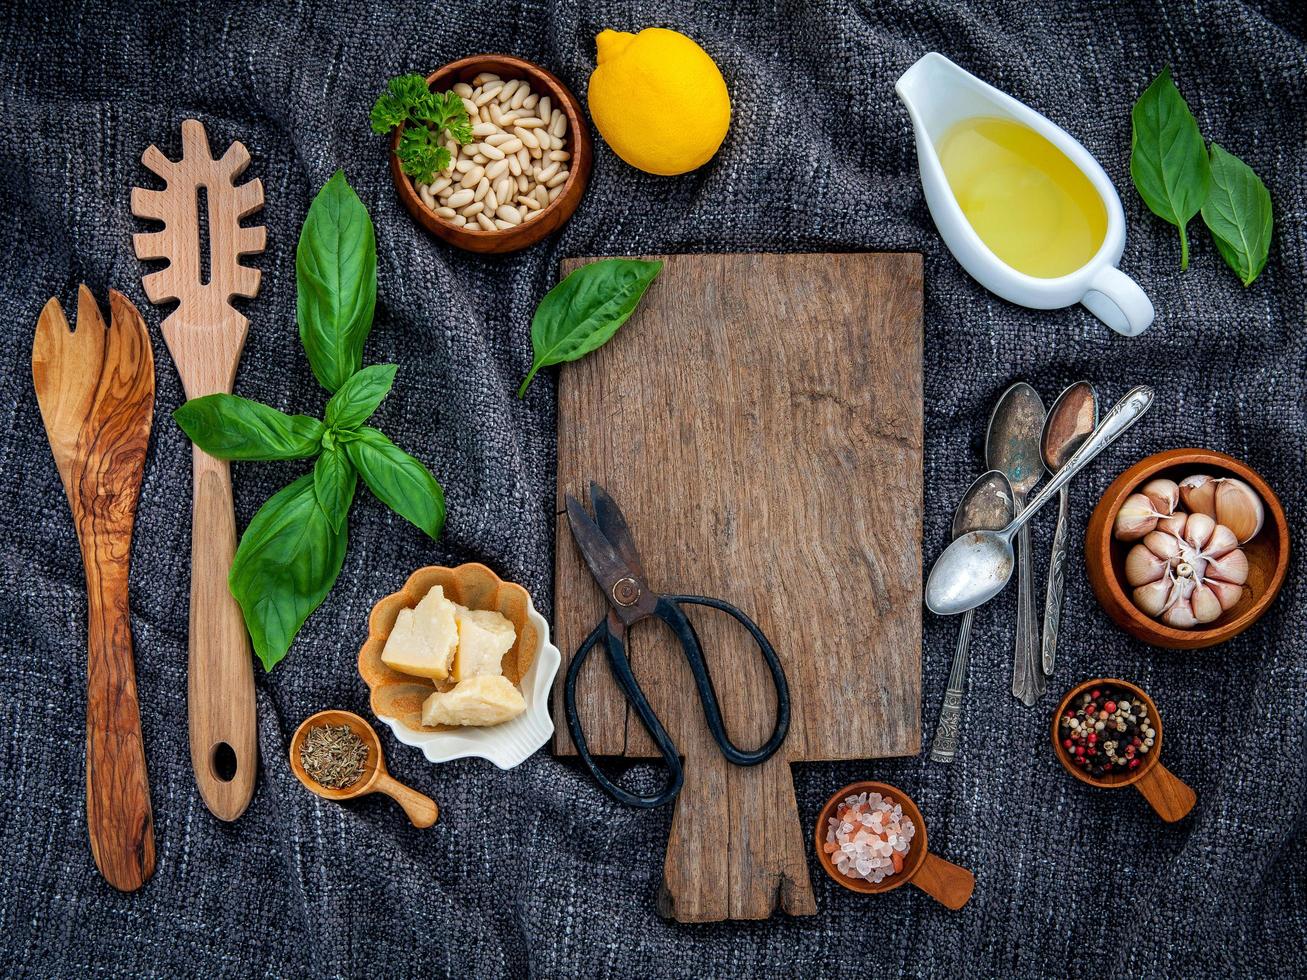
{"x": 223, "y": 762}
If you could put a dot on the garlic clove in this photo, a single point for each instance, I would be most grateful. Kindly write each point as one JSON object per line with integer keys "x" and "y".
{"x": 1222, "y": 542}
{"x": 1163, "y": 545}
{"x": 1206, "y": 604}
{"x": 1151, "y": 598}
{"x": 1198, "y": 492}
{"x": 1198, "y": 530}
{"x": 1232, "y": 567}
{"x": 1142, "y": 566}
{"x": 1181, "y": 615}
{"x": 1227, "y": 592}
{"x": 1239, "y": 508}
{"x": 1173, "y": 524}
{"x": 1163, "y": 494}
{"x": 1135, "y": 518}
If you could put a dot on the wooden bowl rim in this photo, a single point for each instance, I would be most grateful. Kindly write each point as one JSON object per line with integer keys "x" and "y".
{"x": 917, "y": 847}
{"x": 578, "y": 133}
{"x": 1115, "y": 782}
{"x": 1101, "y": 549}
{"x": 376, "y": 760}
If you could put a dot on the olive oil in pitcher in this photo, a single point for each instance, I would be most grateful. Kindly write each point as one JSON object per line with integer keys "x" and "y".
{"x": 1033, "y": 207}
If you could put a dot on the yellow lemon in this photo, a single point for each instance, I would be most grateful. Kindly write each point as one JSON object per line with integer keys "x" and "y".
{"x": 659, "y": 100}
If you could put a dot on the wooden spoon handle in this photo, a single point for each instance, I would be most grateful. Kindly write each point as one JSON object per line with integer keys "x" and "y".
{"x": 118, "y": 814}
{"x": 224, "y": 753}
{"x": 944, "y": 881}
{"x": 1166, "y": 793}
{"x": 421, "y": 809}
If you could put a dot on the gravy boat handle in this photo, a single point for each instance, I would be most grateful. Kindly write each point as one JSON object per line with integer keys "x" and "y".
{"x": 1117, "y": 300}
{"x": 1124, "y": 414}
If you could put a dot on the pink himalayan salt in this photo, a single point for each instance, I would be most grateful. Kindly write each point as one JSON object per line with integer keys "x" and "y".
{"x": 868, "y": 837}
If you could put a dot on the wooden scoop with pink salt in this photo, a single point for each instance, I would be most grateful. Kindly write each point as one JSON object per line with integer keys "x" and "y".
{"x": 868, "y": 837}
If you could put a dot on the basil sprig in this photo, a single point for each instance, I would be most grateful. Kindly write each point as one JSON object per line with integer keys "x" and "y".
{"x": 1178, "y": 177}
{"x": 582, "y": 312}
{"x": 292, "y": 552}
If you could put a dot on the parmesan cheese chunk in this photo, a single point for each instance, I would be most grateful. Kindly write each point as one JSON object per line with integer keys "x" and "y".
{"x": 487, "y": 700}
{"x": 484, "y": 636}
{"x": 423, "y": 640}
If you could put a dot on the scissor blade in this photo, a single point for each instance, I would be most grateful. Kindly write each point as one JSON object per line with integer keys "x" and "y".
{"x": 605, "y": 564}
{"x": 613, "y": 524}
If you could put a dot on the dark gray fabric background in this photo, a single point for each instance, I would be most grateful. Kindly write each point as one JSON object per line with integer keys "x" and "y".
{"x": 534, "y": 871}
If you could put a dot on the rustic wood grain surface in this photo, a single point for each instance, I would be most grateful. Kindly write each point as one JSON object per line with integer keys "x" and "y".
{"x": 759, "y": 420}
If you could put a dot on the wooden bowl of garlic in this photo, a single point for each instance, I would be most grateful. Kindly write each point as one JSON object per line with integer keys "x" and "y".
{"x": 548, "y": 183}
{"x": 1187, "y": 548}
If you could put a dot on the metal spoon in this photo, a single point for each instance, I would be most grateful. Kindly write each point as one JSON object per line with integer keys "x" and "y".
{"x": 986, "y": 506}
{"x": 1072, "y": 418}
{"x": 975, "y": 567}
{"x": 1012, "y": 446}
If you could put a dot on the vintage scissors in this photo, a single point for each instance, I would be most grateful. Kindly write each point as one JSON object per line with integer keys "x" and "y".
{"x": 609, "y": 550}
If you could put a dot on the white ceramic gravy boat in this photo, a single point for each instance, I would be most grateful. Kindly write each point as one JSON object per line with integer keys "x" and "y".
{"x": 939, "y": 94}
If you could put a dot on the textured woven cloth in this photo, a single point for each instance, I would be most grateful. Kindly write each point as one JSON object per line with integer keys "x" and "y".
{"x": 534, "y": 871}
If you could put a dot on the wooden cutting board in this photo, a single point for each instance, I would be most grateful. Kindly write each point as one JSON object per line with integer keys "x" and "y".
{"x": 759, "y": 421}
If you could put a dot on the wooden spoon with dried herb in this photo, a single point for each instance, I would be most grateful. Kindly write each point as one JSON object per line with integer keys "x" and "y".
{"x": 337, "y": 755}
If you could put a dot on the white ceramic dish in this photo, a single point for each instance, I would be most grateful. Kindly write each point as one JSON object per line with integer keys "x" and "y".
{"x": 938, "y": 94}
{"x": 511, "y": 743}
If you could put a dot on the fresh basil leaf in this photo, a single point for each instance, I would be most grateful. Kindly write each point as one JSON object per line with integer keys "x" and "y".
{"x": 334, "y": 480}
{"x": 287, "y": 562}
{"x": 336, "y": 282}
{"x": 1168, "y": 161}
{"x": 359, "y": 397}
{"x": 231, "y": 427}
{"x": 1238, "y": 213}
{"x": 399, "y": 481}
{"x": 582, "y": 312}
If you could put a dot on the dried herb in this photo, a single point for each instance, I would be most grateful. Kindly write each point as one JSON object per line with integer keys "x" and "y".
{"x": 333, "y": 756}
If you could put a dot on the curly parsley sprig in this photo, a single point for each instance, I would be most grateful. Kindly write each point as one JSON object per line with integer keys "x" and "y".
{"x": 424, "y": 116}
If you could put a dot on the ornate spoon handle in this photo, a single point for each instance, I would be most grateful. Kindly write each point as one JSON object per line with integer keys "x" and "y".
{"x": 1056, "y": 582}
{"x": 948, "y": 730}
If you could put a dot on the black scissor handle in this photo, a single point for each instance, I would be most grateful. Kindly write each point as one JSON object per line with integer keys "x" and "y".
{"x": 669, "y": 611}
{"x": 621, "y": 667}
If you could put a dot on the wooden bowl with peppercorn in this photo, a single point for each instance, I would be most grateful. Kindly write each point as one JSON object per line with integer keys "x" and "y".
{"x": 1267, "y": 552}
{"x": 533, "y": 223}
{"x": 1108, "y": 733}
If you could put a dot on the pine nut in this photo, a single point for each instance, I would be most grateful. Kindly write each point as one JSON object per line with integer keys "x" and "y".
{"x": 530, "y": 203}
{"x": 485, "y": 223}
{"x": 492, "y": 200}
{"x": 532, "y": 214}
{"x": 559, "y": 155}
{"x": 506, "y": 212}
{"x": 491, "y": 152}
{"x": 470, "y": 106}
{"x": 510, "y": 145}
{"x": 427, "y": 199}
{"x": 472, "y": 176}
{"x": 473, "y": 209}
{"x": 513, "y": 115}
{"x": 484, "y": 77}
{"x": 524, "y": 159}
{"x": 459, "y": 199}
{"x": 509, "y": 88}
{"x": 482, "y": 186}
{"x": 558, "y": 124}
{"x": 558, "y": 179}
{"x": 541, "y": 194}
{"x": 503, "y": 225}
{"x": 528, "y": 140}
{"x": 496, "y": 168}
{"x": 523, "y": 183}
{"x": 458, "y": 221}
{"x": 530, "y": 101}
{"x": 484, "y": 129}
{"x": 503, "y": 188}
{"x": 480, "y": 158}
{"x": 483, "y": 98}
{"x": 543, "y": 109}
{"x": 519, "y": 97}
{"x": 514, "y": 165}
{"x": 493, "y": 86}
{"x": 463, "y": 90}
{"x": 548, "y": 172}
{"x": 446, "y": 212}
{"x": 530, "y": 122}
{"x": 498, "y": 137}
{"x": 496, "y": 116}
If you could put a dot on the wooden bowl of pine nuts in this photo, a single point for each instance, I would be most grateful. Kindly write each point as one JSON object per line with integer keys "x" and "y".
{"x": 542, "y": 186}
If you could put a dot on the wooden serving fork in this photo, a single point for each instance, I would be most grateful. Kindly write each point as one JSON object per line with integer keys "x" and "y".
{"x": 96, "y": 392}
{"x": 205, "y": 335}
